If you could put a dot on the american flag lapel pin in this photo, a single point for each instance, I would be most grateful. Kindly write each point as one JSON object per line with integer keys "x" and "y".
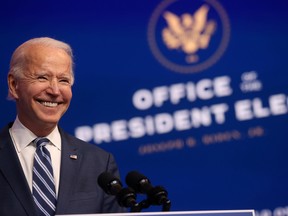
{"x": 74, "y": 157}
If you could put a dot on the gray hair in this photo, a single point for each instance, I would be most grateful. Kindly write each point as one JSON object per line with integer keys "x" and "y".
{"x": 18, "y": 63}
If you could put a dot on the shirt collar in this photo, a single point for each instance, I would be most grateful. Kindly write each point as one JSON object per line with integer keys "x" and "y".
{"x": 22, "y": 136}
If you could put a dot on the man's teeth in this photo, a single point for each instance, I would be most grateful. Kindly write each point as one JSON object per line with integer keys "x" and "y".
{"x": 49, "y": 104}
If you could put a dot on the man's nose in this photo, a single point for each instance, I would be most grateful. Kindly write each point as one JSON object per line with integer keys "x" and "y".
{"x": 54, "y": 87}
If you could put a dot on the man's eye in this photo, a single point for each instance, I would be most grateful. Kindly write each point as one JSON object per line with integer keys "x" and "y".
{"x": 65, "y": 81}
{"x": 42, "y": 78}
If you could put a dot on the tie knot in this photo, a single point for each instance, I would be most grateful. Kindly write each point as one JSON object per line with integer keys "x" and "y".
{"x": 41, "y": 141}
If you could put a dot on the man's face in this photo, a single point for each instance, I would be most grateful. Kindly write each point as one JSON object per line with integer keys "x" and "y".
{"x": 43, "y": 94}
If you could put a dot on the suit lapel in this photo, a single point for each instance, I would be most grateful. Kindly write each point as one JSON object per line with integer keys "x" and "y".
{"x": 70, "y": 163}
{"x": 11, "y": 168}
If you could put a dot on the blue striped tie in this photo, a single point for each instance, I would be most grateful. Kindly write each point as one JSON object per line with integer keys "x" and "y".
{"x": 43, "y": 181}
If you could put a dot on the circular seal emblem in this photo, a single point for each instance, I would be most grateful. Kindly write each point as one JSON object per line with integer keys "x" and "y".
{"x": 188, "y": 36}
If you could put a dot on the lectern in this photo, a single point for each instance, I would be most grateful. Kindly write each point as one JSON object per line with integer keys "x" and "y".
{"x": 180, "y": 213}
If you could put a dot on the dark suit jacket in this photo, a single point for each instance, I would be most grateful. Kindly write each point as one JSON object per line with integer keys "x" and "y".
{"x": 79, "y": 192}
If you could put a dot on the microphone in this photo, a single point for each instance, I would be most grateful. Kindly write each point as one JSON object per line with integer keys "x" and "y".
{"x": 109, "y": 183}
{"x": 126, "y": 197}
{"x": 141, "y": 184}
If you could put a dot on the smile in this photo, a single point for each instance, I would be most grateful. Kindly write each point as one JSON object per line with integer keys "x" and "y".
{"x": 49, "y": 104}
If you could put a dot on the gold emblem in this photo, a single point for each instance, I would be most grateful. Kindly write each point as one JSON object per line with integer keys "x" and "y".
{"x": 190, "y": 32}
{"x": 188, "y": 36}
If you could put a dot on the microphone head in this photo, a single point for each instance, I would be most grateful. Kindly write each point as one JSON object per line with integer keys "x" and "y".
{"x": 109, "y": 183}
{"x": 138, "y": 182}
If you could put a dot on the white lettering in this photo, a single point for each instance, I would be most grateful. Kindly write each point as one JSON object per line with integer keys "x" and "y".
{"x": 136, "y": 126}
{"x": 204, "y": 89}
{"x": 119, "y": 130}
{"x": 258, "y": 108}
{"x": 84, "y": 133}
{"x": 160, "y": 95}
{"x": 182, "y": 120}
{"x": 222, "y": 86}
{"x": 164, "y": 123}
{"x": 142, "y": 99}
{"x": 243, "y": 110}
{"x": 201, "y": 117}
{"x": 278, "y": 104}
{"x": 249, "y": 109}
{"x": 177, "y": 93}
{"x": 219, "y": 111}
{"x": 102, "y": 133}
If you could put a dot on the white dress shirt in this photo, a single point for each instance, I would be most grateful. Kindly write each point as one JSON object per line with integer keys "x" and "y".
{"x": 22, "y": 138}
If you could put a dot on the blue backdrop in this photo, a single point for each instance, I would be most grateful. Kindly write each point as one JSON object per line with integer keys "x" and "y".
{"x": 207, "y": 120}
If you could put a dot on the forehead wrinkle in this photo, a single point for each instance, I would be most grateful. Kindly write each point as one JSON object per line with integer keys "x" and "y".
{"x": 35, "y": 58}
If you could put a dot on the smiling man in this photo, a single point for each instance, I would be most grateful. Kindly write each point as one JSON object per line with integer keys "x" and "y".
{"x": 40, "y": 81}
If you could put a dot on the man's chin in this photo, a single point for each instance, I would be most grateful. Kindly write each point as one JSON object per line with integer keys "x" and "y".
{"x": 50, "y": 121}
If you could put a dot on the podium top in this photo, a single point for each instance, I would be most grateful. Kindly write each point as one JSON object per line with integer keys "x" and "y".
{"x": 181, "y": 213}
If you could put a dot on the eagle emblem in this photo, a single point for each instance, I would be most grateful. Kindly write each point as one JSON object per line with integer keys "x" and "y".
{"x": 188, "y": 32}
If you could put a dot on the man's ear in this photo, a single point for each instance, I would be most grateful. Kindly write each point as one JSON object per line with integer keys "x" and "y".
{"x": 12, "y": 86}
